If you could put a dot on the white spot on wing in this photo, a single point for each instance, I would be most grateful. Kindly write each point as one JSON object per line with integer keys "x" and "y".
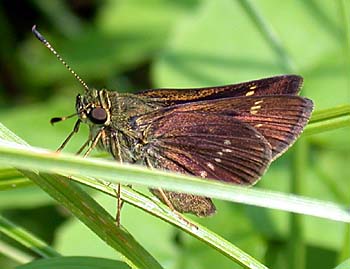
{"x": 203, "y": 174}
{"x": 217, "y": 160}
{"x": 211, "y": 166}
{"x": 250, "y": 93}
{"x": 227, "y": 142}
{"x": 226, "y": 150}
{"x": 220, "y": 153}
{"x": 254, "y": 109}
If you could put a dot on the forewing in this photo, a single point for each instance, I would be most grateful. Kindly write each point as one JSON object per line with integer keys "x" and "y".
{"x": 279, "y": 119}
{"x": 278, "y": 85}
{"x": 205, "y": 144}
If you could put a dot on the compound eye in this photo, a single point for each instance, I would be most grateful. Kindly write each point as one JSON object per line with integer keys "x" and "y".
{"x": 98, "y": 115}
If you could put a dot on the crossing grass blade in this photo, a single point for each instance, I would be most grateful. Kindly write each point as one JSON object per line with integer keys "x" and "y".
{"x": 87, "y": 210}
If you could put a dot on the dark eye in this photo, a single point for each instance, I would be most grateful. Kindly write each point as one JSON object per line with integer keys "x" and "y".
{"x": 98, "y": 115}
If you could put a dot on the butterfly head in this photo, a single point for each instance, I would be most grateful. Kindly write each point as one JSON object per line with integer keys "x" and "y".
{"x": 93, "y": 107}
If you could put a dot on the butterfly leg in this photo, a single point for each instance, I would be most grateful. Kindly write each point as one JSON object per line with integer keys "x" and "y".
{"x": 116, "y": 152}
{"x": 74, "y": 131}
{"x": 94, "y": 143}
{"x": 165, "y": 199}
{"x": 160, "y": 193}
{"x": 115, "y": 148}
{"x": 100, "y": 135}
{"x": 119, "y": 205}
{"x": 84, "y": 145}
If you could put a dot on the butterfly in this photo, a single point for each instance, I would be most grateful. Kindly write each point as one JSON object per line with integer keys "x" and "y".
{"x": 228, "y": 133}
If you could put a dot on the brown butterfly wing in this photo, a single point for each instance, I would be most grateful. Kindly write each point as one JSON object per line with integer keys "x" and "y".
{"x": 279, "y": 118}
{"x": 204, "y": 128}
{"x": 207, "y": 145}
{"x": 278, "y": 85}
{"x": 228, "y": 139}
{"x": 198, "y": 144}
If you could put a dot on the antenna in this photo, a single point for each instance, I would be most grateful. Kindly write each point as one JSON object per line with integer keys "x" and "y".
{"x": 42, "y": 39}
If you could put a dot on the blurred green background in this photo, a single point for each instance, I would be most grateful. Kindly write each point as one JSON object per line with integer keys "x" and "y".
{"x": 127, "y": 45}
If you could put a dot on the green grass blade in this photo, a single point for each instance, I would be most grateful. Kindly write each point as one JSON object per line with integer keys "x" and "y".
{"x": 79, "y": 262}
{"x": 31, "y": 158}
{"x": 26, "y": 239}
{"x": 154, "y": 208}
{"x": 88, "y": 211}
{"x": 327, "y": 125}
{"x": 296, "y": 242}
{"x": 11, "y": 178}
{"x": 14, "y": 253}
{"x": 330, "y": 113}
{"x": 344, "y": 265}
{"x": 328, "y": 119}
{"x": 161, "y": 211}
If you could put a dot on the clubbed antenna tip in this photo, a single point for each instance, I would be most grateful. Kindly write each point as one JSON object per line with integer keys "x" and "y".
{"x": 58, "y": 119}
{"x": 42, "y": 39}
{"x": 38, "y": 35}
